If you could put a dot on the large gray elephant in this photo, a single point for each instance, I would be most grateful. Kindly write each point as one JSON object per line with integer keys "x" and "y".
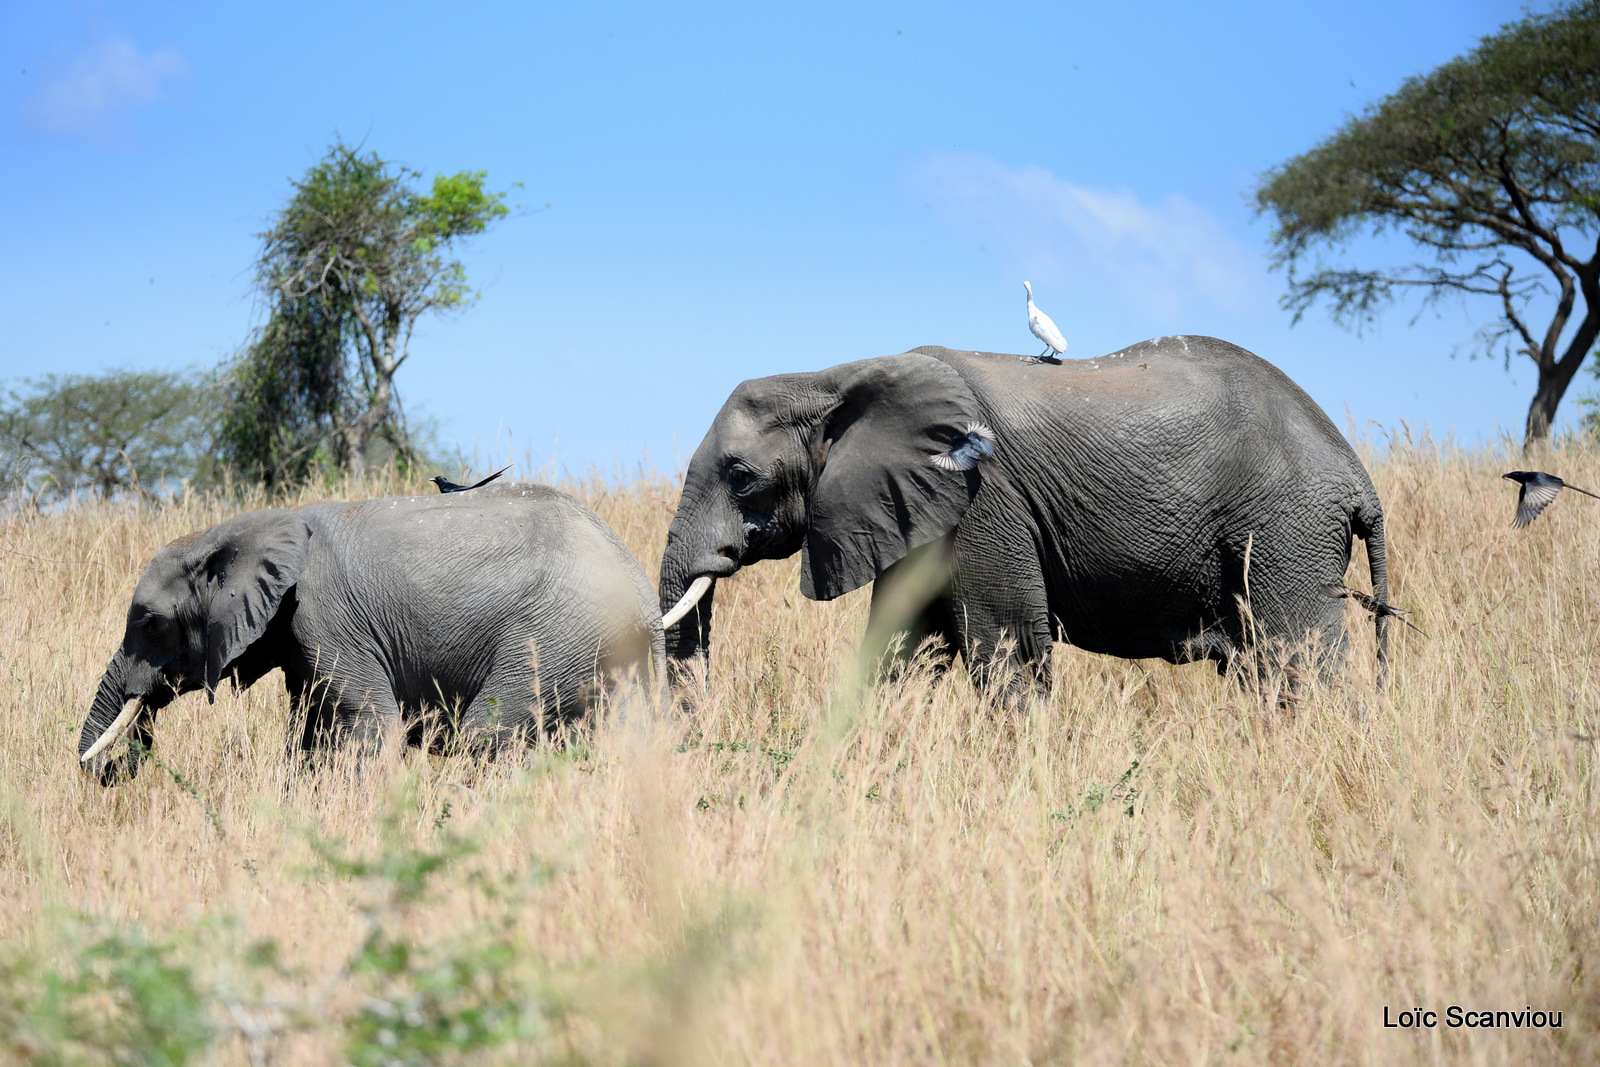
{"x": 1129, "y": 504}
{"x": 463, "y": 615}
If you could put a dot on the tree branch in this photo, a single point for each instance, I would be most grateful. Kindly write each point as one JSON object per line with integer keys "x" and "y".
{"x": 1511, "y": 315}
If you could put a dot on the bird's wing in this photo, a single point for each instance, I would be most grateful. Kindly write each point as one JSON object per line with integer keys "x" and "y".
{"x": 982, "y": 437}
{"x": 1532, "y": 500}
{"x": 1045, "y": 330}
{"x": 970, "y": 449}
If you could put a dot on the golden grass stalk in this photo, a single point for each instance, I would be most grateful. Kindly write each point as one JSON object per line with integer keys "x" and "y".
{"x": 1153, "y": 866}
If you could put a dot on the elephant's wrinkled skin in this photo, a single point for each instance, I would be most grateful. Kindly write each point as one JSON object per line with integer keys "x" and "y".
{"x": 471, "y": 612}
{"x": 1125, "y": 496}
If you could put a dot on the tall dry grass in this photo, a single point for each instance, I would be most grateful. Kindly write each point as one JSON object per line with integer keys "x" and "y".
{"x": 1153, "y": 867}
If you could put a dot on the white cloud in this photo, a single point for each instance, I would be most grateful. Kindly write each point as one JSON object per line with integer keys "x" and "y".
{"x": 88, "y": 94}
{"x": 1160, "y": 257}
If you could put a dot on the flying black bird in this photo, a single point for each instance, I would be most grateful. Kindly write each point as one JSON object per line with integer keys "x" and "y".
{"x": 1539, "y": 490}
{"x": 1371, "y": 603}
{"x": 968, "y": 449}
{"x": 447, "y": 486}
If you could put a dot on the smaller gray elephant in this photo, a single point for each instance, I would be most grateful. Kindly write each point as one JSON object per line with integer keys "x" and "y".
{"x": 468, "y": 616}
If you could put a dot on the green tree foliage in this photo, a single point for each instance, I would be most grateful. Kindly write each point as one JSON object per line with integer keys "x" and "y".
{"x": 114, "y": 999}
{"x": 288, "y": 395}
{"x": 107, "y": 433}
{"x": 446, "y": 1000}
{"x": 350, "y": 264}
{"x": 1491, "y": 164}
{"x": 405, "y": 996}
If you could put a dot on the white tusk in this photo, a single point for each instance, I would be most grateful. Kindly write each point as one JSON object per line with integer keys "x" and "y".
{"x": 691, "y": 597}
{"x": 116, "y": 730}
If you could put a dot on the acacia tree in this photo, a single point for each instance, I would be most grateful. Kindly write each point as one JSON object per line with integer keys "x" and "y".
{"x": 350, "y": 264}
{"x": 109, "y": 433}
{"x": 1491, "y": 164}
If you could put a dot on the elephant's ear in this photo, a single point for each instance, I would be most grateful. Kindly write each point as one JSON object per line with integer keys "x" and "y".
{"x": 879, "y": 493}
{"x": 256, "y": 559}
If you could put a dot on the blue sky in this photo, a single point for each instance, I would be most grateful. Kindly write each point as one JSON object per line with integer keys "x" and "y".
{"x": 734, "y": 190}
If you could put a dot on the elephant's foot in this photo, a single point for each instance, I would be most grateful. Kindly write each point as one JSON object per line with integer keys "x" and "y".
{"x": 1010, "y": 681}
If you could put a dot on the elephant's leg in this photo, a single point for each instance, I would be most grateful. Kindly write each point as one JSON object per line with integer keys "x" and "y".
{"x": 299, "y": 738}
{"x": 354, "y": 708}
{"x": 1000, "y": 608}
{"x": 1315, "y": 639}
{"x": 364, "y": 724}
{"x": 1219, "y": 643}
{"x": 938, "y": 624}
{"x": 1006, "y": 643}
{"x": 311, "y": 733}
{"x": 505, "y": 713}
{"x": 1291, "y": 624}
{"x": 536, "y": 689}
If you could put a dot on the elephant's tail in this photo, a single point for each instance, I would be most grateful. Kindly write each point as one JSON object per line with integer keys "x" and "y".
{"x": 1367, "y": 524}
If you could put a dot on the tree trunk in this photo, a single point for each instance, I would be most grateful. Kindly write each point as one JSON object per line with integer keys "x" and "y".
{"x": 354, "y": 438}
{"x": 1542, "y": 412}
{"x": 1555, "y": 378}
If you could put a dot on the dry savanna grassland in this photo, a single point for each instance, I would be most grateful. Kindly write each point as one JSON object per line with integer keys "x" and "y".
{"x": 1155, "y": 865}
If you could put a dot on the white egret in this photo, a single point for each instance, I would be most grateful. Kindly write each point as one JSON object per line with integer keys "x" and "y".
{"x": 1045, "y": 330}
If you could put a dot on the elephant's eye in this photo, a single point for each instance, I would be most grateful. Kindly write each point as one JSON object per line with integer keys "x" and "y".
{"x": 151, "y": 623}
{"x": 743, "y": 481}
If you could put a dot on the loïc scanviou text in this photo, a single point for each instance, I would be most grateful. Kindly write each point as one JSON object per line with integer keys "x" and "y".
{"x": 1455, "y": 1017}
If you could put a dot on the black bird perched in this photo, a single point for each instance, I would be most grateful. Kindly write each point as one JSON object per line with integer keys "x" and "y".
{"x": 1538, "y": 491}
{"x": 968, "y": 449}
{"x": 447, "y": 486}
{"x": 1371, "y": 603}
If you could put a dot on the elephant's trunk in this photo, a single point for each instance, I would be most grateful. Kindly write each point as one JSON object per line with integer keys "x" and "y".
{"x": 108, "y": 700}
{"x": 697, "y": 589}
{"x": 114, "y": 732}
{"x": 114, "y": 714}
{"x": 688, "y": 636}
{"x": 706, "y": 542}
{"x": 690, "y": 567}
